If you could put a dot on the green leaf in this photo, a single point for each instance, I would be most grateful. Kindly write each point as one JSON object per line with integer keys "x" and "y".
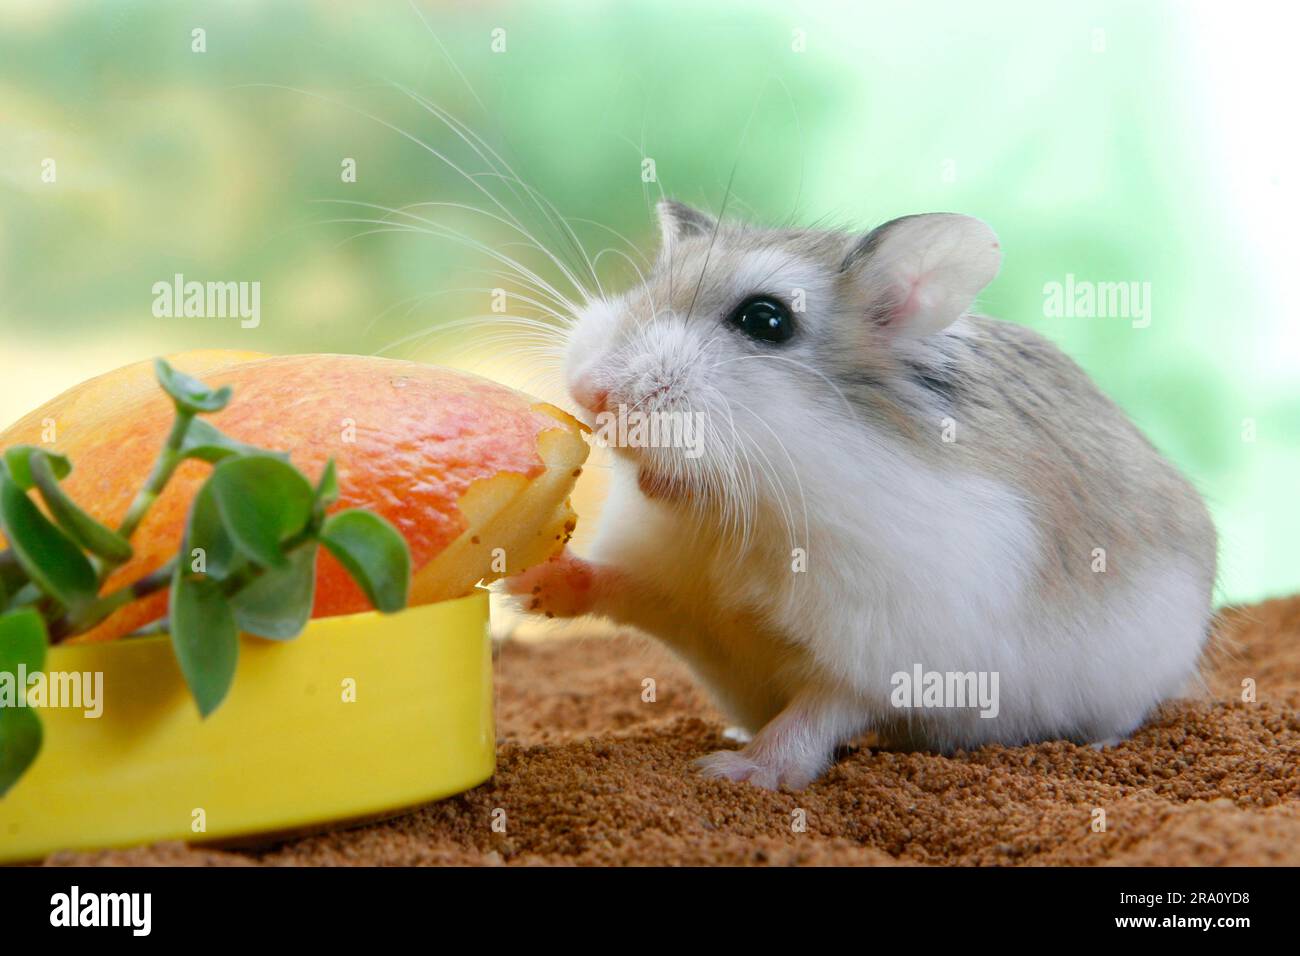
{"x": 207, "y": 533}
{"x": 278, "y": 603}
{"x": 22, "y": 644}
{"x": 46, "y": 554}
{"x": 208, "y": 443}
{"x": 22, "y": 640}
{"x": 327, "y": 489}
{"x": 374, "y": 553}
{"x": 189, "y": 394}
{"x": 20, "y": 742}
{"x": 12, "y": 576}
{"x": 204, "y": 638}
{"x": 327, "y": 492}
{"x": 262, "y": 500}
{"x": 18, "y": 460}
{"x": 79, "y": 526}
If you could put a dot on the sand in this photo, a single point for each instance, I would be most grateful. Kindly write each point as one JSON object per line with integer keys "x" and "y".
{"x": 589, "y": 773}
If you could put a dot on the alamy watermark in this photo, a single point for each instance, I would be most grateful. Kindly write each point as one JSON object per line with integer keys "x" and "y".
{"x": 1083, "y": 299}
{"x": 208, "y": 300}
{"x": 630, "y": 428}
{"x": 82, "y": 690}
{"x": 133, "y": 911}
{"x": 941, "y": 689}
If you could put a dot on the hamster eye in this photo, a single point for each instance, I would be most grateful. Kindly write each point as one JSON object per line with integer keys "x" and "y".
{"x": 764, "y": 319}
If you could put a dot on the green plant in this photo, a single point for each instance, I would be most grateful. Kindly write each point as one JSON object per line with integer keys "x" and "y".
{"x": 247, "y": 561}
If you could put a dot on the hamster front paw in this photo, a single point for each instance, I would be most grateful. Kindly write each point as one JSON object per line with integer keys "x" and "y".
{"x": 562, "y": 586}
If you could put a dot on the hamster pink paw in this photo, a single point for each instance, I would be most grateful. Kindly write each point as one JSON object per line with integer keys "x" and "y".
{"x": 563, "y": 586}
{"x": 743, "y": 767}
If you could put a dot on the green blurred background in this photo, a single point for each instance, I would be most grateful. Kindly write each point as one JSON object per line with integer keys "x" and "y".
{"x": 1112, "y": 141}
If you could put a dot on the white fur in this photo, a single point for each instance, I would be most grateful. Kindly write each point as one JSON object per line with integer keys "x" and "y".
{"x": 937, "y": 573}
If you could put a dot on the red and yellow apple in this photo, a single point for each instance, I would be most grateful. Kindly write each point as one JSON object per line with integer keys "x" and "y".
{"x": 460, "y": 465}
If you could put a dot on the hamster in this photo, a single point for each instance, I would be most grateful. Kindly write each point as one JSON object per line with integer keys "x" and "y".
{"x": 884, "y": 487}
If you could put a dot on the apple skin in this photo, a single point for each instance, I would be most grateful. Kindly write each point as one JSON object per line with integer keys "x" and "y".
{"x": 474, "y": 475}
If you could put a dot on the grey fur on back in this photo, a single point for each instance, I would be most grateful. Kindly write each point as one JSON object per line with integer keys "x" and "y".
{"x": 1025, "y": 412}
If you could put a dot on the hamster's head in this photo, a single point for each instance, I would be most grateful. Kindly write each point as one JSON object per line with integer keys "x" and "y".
{"x": 721, "y": 373}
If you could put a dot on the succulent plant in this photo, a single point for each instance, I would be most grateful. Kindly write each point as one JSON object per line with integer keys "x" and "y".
{"x": 246, "y": 563}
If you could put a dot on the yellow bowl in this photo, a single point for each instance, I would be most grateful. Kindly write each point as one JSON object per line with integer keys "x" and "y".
{"x": 358, "y": 717}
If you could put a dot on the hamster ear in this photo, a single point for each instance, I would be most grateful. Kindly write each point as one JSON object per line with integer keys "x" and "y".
{"x": 921, "y": 273}
{"x": 678, "y": 220}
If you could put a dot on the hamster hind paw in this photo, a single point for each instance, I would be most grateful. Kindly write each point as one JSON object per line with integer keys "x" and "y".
{"x": 742, "y": 767}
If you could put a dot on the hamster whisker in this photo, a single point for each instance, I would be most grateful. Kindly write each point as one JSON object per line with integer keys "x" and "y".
{"x": 529, "y": 363}
{"x": 734, "y": 483}
{"x": 654, "y": 311}
{"x": 713, "y": 239}
{"x": 471, "y": 180}
{"x": 530, "y": 339}
{"x": 503, "y": 172}
{"x": 466, "y": 134}
{"x": 446, "y": 55}
{"x": 550, "y": 335}
{"x": 507, "y": 326}
{"x": 756, "y": 471}
{"x": 414, "y": 301}
{"x": 618, "y": 235}
{"x": 740, "y": 495}
{"x": 387, "y": 226}
{"x": 447, "y": 232}
{"x": 610, "y": 251}
{"x": 778, "y": 486}
{"x": 566, "y": 230}
{"x": 767, "y": 471}
{"x": 507, "y": 175}
{"x": 495, "y": 162}
{"x": 491, "y": 158}
{"x": 564, "y": 321}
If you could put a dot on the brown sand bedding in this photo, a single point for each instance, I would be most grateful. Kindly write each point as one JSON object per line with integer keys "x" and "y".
{"x": 591, "y": 774}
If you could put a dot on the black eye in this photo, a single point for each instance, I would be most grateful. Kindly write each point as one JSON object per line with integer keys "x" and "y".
{"x": 764, "y": 319}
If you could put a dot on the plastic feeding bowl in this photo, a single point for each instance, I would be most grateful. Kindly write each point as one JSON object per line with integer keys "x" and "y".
{"x": 362, "y": 716}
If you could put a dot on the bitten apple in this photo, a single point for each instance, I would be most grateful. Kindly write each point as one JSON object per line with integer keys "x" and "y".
{"x": 474, "y": 475}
